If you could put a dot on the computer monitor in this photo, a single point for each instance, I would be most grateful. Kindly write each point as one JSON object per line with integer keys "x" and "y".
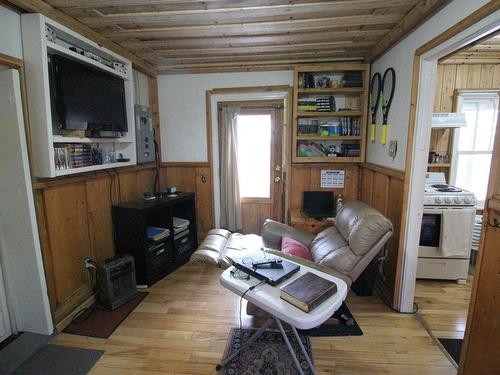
{"x": 318, "y": 204}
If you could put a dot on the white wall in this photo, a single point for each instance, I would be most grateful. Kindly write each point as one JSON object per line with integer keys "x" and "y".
{"x": 400, "y": 57}
{"x": 10, "y": 32}
{"x": 182, "y": 108}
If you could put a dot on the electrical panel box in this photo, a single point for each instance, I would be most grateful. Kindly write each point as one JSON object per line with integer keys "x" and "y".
{"x": 144, "y": 136}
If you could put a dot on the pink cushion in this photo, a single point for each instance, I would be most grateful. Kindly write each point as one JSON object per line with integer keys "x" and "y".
{"x": 293, "y": 247}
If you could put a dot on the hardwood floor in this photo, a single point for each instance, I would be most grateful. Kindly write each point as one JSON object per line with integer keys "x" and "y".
{"x": 443, "y": 305}
{"x": 182, "y": 327}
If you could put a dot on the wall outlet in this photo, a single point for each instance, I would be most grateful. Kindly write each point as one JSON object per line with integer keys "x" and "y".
{"x": 393, "y": 149}
{"x": 87, "y": 262}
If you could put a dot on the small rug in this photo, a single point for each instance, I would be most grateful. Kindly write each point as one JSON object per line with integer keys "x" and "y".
{"x": 453, "y": 347}
{"x": 20, "y": 349}
{"x": 336, "y": 329}
{"x": 101, "y": 322}
{"x": 60, "y": 360}
{"x": 266, "y": 355}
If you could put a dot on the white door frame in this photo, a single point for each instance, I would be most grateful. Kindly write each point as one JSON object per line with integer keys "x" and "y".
{"x": 214, "y": 100}
{"x": 421, "y": 144}
{"x": 20, "y": 250}
{"x": 8, "y": 324}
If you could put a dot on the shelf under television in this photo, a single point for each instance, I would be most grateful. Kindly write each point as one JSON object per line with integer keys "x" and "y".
{"x": 330, "y": 114}
{"x": 92, "y": 168}
{"x": 328, "y": 138}
{"x": 64, "y": 139}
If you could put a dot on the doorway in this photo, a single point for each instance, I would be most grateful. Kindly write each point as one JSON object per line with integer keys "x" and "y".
{"x": 480, "y": 317}
{"x": 468, "y": 84}
{"x": 258, "y": 139}
{"x": 238, "y": 96}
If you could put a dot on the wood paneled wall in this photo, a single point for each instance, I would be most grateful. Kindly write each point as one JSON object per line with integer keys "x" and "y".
{"x": 195, "y": 177}
{"x": 306, "y": 177}
{"x": 74, "y": 220}
{"x": 451, "y": 77}
{"x": 382, "y": 188}
{"x": 471, "y": 76}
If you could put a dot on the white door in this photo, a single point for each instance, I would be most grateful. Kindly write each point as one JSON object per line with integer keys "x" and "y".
{"x": 8, "y": 112}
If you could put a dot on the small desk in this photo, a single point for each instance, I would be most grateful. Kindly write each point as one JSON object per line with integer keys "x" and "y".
{"x": 267, "y": 297}
{"x": 300, "y": 221}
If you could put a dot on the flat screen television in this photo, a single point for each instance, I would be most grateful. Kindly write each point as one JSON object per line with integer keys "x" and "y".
{"x": 86, "y": 98}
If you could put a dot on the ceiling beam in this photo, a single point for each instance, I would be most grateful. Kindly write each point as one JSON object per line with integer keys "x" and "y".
{"x": 341, "y": 52}
{"x": 208, "y": 4}
{"x": 418, "y": 14}
{"x": 254, "y": 28}
{"x": 236, "y": 15}
{"x": 211, "y": 51}
{"x": 246, "y": 41}
{"x": 39, "y": 6}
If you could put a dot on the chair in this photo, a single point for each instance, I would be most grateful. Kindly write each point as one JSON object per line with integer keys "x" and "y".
{"x": 359, "y": 233}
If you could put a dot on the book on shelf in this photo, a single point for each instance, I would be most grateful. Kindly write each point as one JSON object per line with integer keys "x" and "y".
{"x": 308, "y": 291}
{"x": 157, "y": 233}
{"x": 180, "y": 224}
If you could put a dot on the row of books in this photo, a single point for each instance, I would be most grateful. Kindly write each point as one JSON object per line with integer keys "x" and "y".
{"x": 353, "y": 79}
{"x": 312, "y": 149}
{"x": 73, "y": 155}
{"x": 320, "y": 104}
{"x": 316, "y": 149}
{"x": 350, "y": 125}
{"x": 157, "y": 233}
{"x": 180, "y": 224}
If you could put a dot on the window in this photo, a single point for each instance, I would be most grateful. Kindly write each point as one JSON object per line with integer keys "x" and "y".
{"x": 254, "y": 155}
{"x": 475, "y": 141}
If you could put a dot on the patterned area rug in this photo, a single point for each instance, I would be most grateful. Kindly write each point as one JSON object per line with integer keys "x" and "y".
{"x": 268, "y": 355}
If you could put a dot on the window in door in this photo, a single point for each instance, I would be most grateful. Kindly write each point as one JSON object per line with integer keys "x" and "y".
{"x": 254, "y": 155}
{"x": 475, "y": 141}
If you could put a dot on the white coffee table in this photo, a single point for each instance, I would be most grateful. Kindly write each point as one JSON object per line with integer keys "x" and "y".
{"x": 267, "y": 297}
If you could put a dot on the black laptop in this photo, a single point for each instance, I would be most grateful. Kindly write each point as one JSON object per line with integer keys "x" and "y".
{"x": 272, "y": 276}
{"x": 318, "y": 204}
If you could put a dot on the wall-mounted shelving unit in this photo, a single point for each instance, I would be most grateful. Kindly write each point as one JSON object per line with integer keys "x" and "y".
{"x": 348, "y": 107}
{"x": 37, "y": 49}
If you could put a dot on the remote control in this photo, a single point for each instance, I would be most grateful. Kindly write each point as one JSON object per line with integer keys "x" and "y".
{"x": 274, "y": 263}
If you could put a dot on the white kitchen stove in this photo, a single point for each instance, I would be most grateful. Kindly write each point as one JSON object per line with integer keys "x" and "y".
{"x": 446, "y": 231}
{"x": 439, "y": 193}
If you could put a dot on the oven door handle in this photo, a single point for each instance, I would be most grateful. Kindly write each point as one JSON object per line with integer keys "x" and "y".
{"x": 433, "y": 211}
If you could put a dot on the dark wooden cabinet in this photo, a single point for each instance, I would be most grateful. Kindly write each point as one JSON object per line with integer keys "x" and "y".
{"x": 155, "y": 259}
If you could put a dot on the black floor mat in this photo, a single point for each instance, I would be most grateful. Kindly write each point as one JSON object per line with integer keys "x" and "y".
{"x": 340, "y": 329}
{"x": 453, "y": 347}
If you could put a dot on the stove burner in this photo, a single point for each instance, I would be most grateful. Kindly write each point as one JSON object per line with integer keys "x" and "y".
{"x": 449, "y": 189}
{"x": 438, "y": 186}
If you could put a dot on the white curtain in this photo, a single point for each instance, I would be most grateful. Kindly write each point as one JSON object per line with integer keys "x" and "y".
{"x": 230, "y": 216}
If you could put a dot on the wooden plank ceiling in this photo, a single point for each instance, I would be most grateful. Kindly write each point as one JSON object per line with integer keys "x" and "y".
{"x": 182, "y": 36}
{"x": 484, "y": 52}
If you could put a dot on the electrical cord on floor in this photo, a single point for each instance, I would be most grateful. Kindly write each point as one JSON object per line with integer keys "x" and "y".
{"x": 83, "y": 314}
{"x": 243, "y": 295}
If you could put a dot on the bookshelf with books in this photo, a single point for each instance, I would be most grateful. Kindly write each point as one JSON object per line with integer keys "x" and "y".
{"x": 330, "y": 112}
{"x": 160, "y": 234}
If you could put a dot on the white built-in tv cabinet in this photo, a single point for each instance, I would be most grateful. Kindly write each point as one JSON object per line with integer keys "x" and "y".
{"x": 36, "y": 48}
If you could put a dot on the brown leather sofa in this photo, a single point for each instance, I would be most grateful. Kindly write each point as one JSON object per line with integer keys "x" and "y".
{"x": 344, "y": 250}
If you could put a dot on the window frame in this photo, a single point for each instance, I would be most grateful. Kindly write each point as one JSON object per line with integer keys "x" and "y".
{"x": 459, "y": 97}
